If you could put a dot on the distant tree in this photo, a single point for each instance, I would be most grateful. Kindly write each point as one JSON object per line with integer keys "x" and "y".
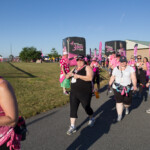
{"x": 1, "y": 56}
{"x": 50, "y": 55}
{"x": 54, "y": 53}
{"x": 11, "y": 57}
{"x": 30, "y": 54}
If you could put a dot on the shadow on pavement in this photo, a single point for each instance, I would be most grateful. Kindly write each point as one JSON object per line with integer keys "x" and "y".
{"x": 137, "y": 101}
{"x": 29, "y": 74}
{"x": 103, "y": 88}
{"x": 38, "y": 119}
{"x": 105, "y": 117}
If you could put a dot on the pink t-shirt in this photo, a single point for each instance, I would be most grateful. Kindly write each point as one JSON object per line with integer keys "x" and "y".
{"x": 111, "y": 57}
{"x": 64, "y": 62}
{"x": 122, "y": 52}
{"x": 95, "y": 66}
{"x": 132, "y": 63}
{"x": 115, "y": 62}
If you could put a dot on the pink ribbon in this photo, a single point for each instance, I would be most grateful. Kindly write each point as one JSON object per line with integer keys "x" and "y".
{"x": 124, "y": 91}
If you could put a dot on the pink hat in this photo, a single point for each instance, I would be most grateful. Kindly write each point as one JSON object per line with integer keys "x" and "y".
{"x": 65, "y": 51}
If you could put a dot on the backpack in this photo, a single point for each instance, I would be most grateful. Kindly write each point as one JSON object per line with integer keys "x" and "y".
{"x": 21, "y": 128}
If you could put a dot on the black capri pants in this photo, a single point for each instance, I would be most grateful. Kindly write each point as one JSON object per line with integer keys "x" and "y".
{"x": 141, "y": 76}
{"x": 96, "y": 79}
{"x": 76, "y": 99}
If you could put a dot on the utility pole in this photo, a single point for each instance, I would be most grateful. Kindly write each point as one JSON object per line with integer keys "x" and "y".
{"x": 10, "y": 49}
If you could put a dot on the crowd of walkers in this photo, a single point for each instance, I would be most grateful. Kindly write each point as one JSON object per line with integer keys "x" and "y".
{"x": 125, "y": 78}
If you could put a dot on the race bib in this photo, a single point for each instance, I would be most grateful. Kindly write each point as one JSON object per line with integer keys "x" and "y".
{"x": 73, "y": 80}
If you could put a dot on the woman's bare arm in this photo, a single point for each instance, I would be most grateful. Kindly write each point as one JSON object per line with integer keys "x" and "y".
{"x": 88, "y": 77}
{"x": 9, "y": 105}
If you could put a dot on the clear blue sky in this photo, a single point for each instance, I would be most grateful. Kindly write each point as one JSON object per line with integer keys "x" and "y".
{"x": 44, "y": 23}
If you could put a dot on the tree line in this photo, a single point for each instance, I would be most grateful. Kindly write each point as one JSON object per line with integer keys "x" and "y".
{"x": 29, "y": 54}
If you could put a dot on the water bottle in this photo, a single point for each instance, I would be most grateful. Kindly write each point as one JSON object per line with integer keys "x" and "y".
{"x": 96, "y": 94}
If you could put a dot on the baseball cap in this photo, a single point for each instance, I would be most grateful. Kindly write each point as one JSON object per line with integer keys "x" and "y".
{"x": 123, "y": 59}
{"x": 80, "y": 57}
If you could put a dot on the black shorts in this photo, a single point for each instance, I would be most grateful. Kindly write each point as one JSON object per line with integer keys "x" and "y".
{"x": 127, "y": 100}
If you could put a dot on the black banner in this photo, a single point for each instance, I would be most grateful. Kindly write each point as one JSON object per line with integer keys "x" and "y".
{"x": 75, "y": 45}
{"x": 119, "y": 47}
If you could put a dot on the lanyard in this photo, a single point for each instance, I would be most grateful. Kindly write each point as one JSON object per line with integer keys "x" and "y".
{"x": 76, "y": 70}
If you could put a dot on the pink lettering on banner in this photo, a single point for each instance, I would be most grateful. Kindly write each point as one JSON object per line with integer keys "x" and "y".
{"x": 72, "y": 62}
{"x": 72, "y": 43}
{"x": 77, "y": 46}
{"x": 109, "y": 48}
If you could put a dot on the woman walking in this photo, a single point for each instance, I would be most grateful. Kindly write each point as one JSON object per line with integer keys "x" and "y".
{"x": 81, "y": 92}
{"x": 64, "y": 64}
{"x": 122, "y": 79}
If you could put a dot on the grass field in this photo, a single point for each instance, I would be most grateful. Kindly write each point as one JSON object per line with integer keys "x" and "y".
{"x": 37, "y": 86}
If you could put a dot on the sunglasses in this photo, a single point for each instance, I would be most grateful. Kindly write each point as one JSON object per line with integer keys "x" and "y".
{"x": 79, "y": 59}
{"x": 138, "y": 58}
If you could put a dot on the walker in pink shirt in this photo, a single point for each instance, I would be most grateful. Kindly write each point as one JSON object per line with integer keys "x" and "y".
{"x": 95, "y": 66}
{"x": 115, "y": 62}
{"x": 64, "y": 62}
{"x": 132, "y": 63}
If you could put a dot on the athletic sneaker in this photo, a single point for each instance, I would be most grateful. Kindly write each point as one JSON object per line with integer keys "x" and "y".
{"x": 91, "y": 122}
{"x": 65, "y": 93}
{"x": 126, "y": 111}
{"x": 71, "y": 130}
{"x": 148, "y": 111}
{"x": 119, "y": 118}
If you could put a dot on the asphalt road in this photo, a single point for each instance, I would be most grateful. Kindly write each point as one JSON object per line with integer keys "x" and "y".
{"x": 47, "y": 131}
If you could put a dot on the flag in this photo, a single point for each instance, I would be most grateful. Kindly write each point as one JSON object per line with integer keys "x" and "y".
{"x": 95, "y": 55}
{"x": 90, "y": 53}
{"x": 41, "y": 53}
{"x": 100, "y": 51}
{"x": 149, "y": 51}
{"x": 135, "y": 50}
{"x": 149, "y": 64}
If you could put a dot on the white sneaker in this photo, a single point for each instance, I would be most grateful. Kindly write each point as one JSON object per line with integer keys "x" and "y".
{"x": 71, "y": 130}
{"x": 126, "y": 111}
{"x": 91, "y": 122}
{"x": 148, "y": 111}
{"x": 119, "y": 118}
